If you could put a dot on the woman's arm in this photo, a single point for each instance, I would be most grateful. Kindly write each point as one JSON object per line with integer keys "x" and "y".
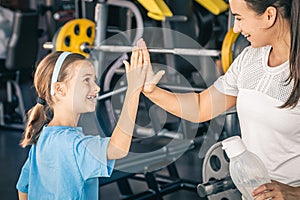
{"x": 190, "y": 106}
{"x": 276, "y": 190}
{"x": 22, "y": 195}
{"x": 120, "y": 141}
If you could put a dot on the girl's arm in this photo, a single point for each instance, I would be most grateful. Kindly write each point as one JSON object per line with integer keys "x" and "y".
{"x": 22, "y": 195}
{"x": 120, "y": 141}
{"x": 190, "y": 106}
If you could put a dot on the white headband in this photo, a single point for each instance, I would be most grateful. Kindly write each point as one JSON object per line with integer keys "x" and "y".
{"x": 56, "y": 69}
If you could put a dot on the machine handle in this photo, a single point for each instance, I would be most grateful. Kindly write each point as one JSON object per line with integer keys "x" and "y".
{"x": 215, "y": 186}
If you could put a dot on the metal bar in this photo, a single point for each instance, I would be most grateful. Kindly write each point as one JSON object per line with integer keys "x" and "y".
{"x": 48, "y": 45}
{"x": 101, "y": 16}
{"x": 176, "y": 51}
{"x": 114, "y": 92}
{"x": 123, "y": 49}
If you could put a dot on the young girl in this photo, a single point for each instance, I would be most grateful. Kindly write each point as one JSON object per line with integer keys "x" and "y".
{"x": 263, "y": 83}
{"x": 63, "y": 163}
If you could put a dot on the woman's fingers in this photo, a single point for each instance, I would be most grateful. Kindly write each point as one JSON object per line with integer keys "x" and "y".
{"x": 146, "y": 55}
{"x": 145, "y": 70}
{"x": 158, "y": 76}
{"x": 140, "y": 58}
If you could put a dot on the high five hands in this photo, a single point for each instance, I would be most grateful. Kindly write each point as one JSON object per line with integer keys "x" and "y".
{"x": 139, "y": 72}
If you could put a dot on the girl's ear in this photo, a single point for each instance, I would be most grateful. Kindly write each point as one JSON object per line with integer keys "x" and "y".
{"x": 59, "y": 88}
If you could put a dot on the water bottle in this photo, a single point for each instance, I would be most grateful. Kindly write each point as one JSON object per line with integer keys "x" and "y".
{"x": 246, "y": 169}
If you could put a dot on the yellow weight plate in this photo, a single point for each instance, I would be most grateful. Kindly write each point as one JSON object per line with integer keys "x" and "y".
{"x": 157, "y": 9}
{"x": 156, "y": 16}
{"x": 226, "y": 51}
{"x": 214, "y": 6}
{"x": 164, "y": 8}
{"x": 75, "y": 33}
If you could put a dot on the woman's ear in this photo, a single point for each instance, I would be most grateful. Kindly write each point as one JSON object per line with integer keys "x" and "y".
{"x": 59, "y": 88}
{"x": 271, "y": 14}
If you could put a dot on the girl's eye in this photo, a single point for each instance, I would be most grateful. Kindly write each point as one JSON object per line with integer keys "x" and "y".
{"x": 238, "y": 19}
{"x": 87, "y": 80}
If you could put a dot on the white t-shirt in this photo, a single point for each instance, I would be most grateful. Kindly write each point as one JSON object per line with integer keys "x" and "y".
{"x": 270, "y": 132}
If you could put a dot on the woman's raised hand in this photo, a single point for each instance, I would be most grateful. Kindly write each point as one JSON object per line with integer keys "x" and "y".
{"x": 151, "y": 78}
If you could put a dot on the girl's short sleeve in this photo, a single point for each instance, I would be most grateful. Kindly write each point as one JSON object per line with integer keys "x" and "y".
{"x": 91, "y": 157}
{"x": 23, "y": 182}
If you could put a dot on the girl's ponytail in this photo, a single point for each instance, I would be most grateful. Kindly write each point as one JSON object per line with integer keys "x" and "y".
{"x": 37, "y": 118}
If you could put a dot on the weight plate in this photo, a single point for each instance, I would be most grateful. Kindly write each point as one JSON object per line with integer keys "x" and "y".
{"x": 226, "y": 51}
{"x": 74, "y": 34}
{"x": 216, "y": 166}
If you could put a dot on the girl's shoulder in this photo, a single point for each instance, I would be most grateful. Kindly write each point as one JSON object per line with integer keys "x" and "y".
{"x": 61, "y": 129}
{"x": 67, "y": 131}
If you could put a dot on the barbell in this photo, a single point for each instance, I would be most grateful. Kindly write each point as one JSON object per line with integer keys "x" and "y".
{"x": 78, "y": 36}
{"x": 85, "y": 48}
{"x": 176, "y": 51}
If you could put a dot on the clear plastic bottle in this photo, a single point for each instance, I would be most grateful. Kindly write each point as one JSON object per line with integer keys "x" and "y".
{"x": 246, "y": 169}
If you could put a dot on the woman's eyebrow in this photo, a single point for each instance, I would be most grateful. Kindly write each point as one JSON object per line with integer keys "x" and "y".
{"x": 236, "y": 14}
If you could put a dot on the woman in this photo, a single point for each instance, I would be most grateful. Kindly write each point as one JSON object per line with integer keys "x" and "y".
{"x": 263, "y": 84}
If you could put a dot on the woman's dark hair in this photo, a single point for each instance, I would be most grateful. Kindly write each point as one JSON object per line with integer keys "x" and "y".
{"x": 289, "y": 9}
{"x": 42, "y": 113}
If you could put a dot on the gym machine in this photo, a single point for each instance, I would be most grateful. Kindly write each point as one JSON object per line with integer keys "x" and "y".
{"x": 17, "y": 66}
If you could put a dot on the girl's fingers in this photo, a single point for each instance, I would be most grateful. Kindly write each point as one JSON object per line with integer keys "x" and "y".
{"x": 127, "y": 65}
{"x": 139, "y": 42}
{"x": 136, "y": 59}
{"x": 133, "y": 57}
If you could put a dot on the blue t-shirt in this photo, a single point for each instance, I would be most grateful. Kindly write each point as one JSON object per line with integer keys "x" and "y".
{"x": 65, "y": 164}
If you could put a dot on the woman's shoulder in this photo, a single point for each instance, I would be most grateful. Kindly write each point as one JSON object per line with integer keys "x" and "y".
{"x": 252, "y": 56}
{"x": 256, "y": 51}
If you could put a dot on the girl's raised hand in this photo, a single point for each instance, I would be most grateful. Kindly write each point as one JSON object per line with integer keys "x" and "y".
{"x": 136, "y": 70}
{"x": 151, "y": 78}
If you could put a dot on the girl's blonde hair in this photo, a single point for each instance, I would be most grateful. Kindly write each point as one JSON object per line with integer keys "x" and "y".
{"x": 39, "y": 115}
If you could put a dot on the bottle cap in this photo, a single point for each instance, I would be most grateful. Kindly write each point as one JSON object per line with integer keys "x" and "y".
{"x": 233, "y": 146}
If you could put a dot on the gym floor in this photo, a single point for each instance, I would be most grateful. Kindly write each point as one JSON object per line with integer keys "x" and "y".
{"x": 12, "y": 157}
